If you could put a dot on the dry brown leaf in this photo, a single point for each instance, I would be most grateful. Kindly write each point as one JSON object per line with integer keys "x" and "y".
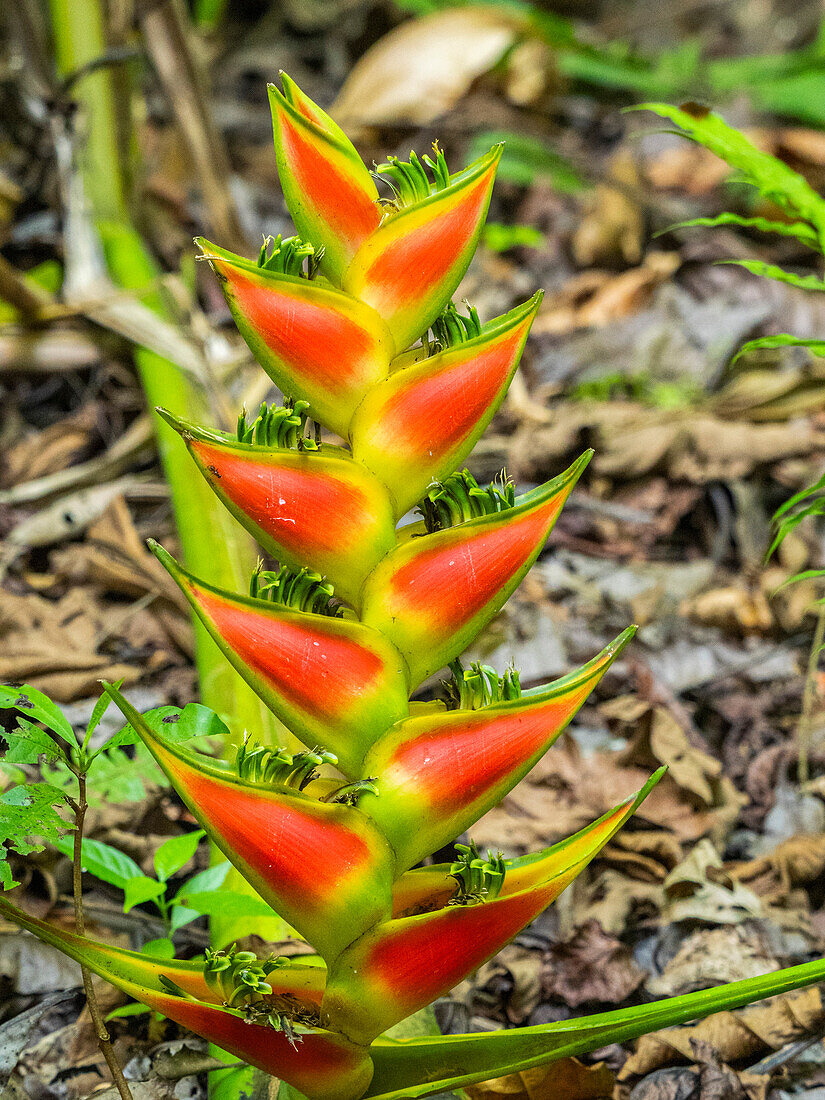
{"x": 648, "y": 855}
{"x": 49, "y": 450}
{"x": 53, "y": 645}
{"x": 699, "y": 889}
{"x": 633, "y": 441}
{"x": 114, "y": 558}
{"x": 597, "y": 298}
{"x": 423, "y": 67}
{"x": 746, "y": 1034}
{"x": 517, "y": 970}
{"x": 567, "y": 1078}
{"x": 618, "y": 902}
{"x": 566, "y": 791}
{"x": 591, "y": 967}
{"x": 612, "y": 228}
{"x": 657, "y": 738}
{"x": 798, "y": 861}
{"x": 713, "y": 956}
{"x": 734, "y": 608}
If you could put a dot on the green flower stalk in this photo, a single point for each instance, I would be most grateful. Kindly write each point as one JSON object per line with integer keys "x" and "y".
{"x": 336, "y": 639}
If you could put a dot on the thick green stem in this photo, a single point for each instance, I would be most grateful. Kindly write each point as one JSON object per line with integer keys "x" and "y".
{"x": 212, "y": 542}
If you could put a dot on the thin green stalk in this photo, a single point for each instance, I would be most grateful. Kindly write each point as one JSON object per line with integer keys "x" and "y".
{"x": 103, "y": 1038}
{"x": 805, "y": 727}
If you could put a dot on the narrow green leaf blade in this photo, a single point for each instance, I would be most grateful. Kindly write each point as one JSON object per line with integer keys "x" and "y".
{"x": 798, "y": 230}
{"x": 779, "y": 274}
{"x": 422, "y": 1067}
{"x": 768, "y": 174}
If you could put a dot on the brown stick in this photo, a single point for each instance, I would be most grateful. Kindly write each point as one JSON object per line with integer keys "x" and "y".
{"x": 167, "y": 36}
{"x": 103, "y": 1039}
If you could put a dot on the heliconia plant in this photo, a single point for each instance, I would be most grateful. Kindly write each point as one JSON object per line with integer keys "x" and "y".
{"x": 336, "y": 639}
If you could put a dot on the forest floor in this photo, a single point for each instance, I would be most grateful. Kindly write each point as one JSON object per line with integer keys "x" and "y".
{"x": 720, "y": 874}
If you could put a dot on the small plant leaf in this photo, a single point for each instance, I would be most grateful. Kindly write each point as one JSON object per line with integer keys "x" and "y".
{"x": 34, "y": 704}
{"x": 780, "y": 340}
{"x": 103, "y": 861}
{"x": 29, "y": 743}
{"x": 138, "y": 890}
{"x": 175, "y": 852}
{"x": 162, "y": 948}
{"x": 29, "y": 817}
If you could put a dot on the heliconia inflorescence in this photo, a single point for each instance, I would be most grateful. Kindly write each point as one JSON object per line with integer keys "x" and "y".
{"x": 357, "y": 614}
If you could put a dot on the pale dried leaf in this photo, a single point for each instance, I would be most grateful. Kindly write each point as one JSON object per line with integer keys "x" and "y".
{"x": 423, "y": 67}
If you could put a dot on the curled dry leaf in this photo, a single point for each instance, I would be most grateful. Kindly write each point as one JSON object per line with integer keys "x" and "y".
{"x": 51, "y": 449}
{"x": 422, "y": 68}
{"x": 798, "y": 861}
{"x": 53, "y": 645}
{"x": 711, "y": 956}
{"x": 591, "y": 967}
{"x": 735, "y": 608}
{"x": 597, "y": 298}
{"x": 699, "y": 889}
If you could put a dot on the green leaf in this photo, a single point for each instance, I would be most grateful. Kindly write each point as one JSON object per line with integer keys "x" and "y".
{"x": 28, "y": 819}
{"x": 805, "y": 575}
{"x": 799, "y": 230}
{"x": 204, "y": 881}
{"x": 161, "y": 948}
{"x": 174, "y": 724}
{"x": 501, "y": 238}
{"x": 124, "y": 1011}
{"x": 175, "y": 852}
{"x": 771, "y": 176}
{"x": 181, "y": 916}
{"x": 779, "y": 274}
{"x": 114, "y": 776}
{"x": 34, "y": 704}
{"x": 138, "y": 890}
{"x": 228, "y": 904}
{"x": 103, "y": 861}
{"x": 28, "y": 743}
{"x": 100, "y": 708}
{"x": 780, "y": 340}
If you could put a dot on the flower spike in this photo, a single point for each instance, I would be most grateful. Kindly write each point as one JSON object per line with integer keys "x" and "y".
{"x": 441, "y": 772}
{"x": 330, "y": 193}
{"x": 321, "y": 865}
{"x": 421, "y": 422}
{"x": 406, "y": 963}
{"x": 333, "y": 682}
{"x": 323, "y": 1065}
{"x": 432, "y": 595}
{"x": 410, "y": 266}
{"x": 315, "y": 342}
{"x": 320, "y": 509}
